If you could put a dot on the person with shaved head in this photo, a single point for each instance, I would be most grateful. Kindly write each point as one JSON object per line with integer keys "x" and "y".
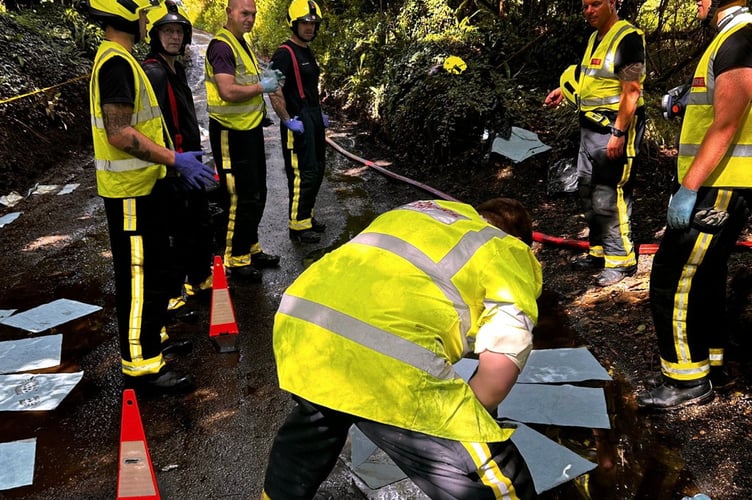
{"x": 235, "y": 87}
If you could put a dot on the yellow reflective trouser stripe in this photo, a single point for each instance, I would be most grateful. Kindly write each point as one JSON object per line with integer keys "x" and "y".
{"x": 685, "y": 368}
{"x": 624, "y": 230}
{"x": 489, "y": 472}
{"x": 596, "y": 251}
{"x": 264, "y": 496}
{"x": 240, "y": 260}
{"x": 367, "y": 335}
{"x": 716, "y": 357}
{"x": 295, "y": 201}
{"x": 137, "y": 296}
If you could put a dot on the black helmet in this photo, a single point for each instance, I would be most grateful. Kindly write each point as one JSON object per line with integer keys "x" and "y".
{"x": 168, "y": 12}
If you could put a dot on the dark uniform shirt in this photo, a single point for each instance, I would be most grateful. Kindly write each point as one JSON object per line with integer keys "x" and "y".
{"x": 309, "y": 74}
{"x": 116, "y": 85}
{"x": 162, "y": 78}
{"x": 736, "y": 52}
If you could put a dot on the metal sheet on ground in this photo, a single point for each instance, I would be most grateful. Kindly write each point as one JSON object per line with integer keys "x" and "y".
{"x": 46, "y": 316}
{"x": 30, "y": 354}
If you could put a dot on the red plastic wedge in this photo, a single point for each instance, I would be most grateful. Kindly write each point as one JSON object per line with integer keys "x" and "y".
{"x": 136, "y": 478}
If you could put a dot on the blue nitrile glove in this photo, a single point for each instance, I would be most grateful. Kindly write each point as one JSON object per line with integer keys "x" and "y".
{"x": 325, "y": 119}
{"x": 269, "y": 83}
{"x": 680, "y": 208}
{"x": 195, "y": 173}
{"x": 295, "y": 125}
{"x": 274, "y": 73}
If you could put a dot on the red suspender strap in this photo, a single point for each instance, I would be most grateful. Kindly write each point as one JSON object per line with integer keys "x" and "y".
{"x": 174, "y": 109}
{"x": 296, "y": 69}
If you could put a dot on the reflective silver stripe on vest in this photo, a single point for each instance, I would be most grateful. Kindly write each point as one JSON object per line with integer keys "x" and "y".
{"x": 124, "y": 165}
{"x": 368, "y": 336}
{"x": 447, "y": 267}
{"x": 735, "y": 150}
{"x": 236, "y": 110}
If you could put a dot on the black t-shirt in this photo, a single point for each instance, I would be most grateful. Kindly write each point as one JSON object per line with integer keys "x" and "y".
{"x": 116, "y": 84}
{"x": 309, "y": 74}
{"x": 162, "y": 78}
{"x": 736, "y": 52}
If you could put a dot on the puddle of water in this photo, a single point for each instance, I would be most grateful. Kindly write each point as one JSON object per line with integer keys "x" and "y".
{"x": 632, "y": 463}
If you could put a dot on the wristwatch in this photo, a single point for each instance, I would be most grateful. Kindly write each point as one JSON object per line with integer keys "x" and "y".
{"x": 617, "y": 133}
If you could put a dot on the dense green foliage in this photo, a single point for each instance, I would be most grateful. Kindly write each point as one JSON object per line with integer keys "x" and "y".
{"x": 381, "y": 63}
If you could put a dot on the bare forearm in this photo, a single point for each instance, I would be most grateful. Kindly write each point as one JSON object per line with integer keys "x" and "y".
{"x": 279, "y": 105}
{"x": 494, "y": 379}
{"x": 713, "y": 148}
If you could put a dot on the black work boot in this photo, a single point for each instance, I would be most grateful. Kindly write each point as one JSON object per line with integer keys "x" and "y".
{"x": 171, "y": 349}
{"x": 245, "y": 273}
{"x": 673, "y": 394}
{"x": 587, "y": 262}
{"x": 262, "y": 260}
{"x": 164, "y": 382}
{"x": 305, "y": 236}
{"x": 317, "y": 225}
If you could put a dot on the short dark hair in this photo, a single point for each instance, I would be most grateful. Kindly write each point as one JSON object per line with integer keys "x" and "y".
{"x": 510, "y": 216}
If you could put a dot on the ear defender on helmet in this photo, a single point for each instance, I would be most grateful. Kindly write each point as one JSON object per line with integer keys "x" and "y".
{"x": 303, "y": 10}
{"x": 170, "y": 12}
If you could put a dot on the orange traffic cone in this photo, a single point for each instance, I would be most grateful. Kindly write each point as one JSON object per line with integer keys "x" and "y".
{"x": 223, "y": 329}
{"x": 136, "y": 478}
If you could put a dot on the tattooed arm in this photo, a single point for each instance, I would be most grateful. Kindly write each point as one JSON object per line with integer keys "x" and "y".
{"x": 630, "y": 93}
{"x": 120, "y": 133}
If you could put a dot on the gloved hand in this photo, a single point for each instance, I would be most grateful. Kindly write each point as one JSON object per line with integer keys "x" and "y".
{"x": 680, "y": 208}
{"x": 195, "y": 173}
{"x": 295, "y": 125}
{"x": 274, "y": 73}
{"x": 269, "y": 83}
{"x": 325, "y": 119}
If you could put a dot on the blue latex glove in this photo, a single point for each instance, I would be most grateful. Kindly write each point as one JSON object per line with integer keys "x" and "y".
{"x": 295, "y": 125}
{"x": 269, "y": 83}
{"x": 325, "y": 119}
{"x": 680, "y": 208}
{"x": 274, "y": 73}
{"x": 195, "y": 173}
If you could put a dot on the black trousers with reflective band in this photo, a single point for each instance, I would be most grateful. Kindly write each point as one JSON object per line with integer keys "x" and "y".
{"x": 308, "y": 444}
{"x": 241, "y": 163}
{"x": 304, "y": 155}
{"x": 139, "y": 241}
{"x": 688, "y": 283}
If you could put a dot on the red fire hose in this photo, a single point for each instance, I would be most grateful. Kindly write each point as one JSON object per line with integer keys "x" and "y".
{"x": 580, "y": 245}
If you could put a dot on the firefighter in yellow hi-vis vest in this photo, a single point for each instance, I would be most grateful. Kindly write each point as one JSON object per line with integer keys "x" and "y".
{"x": 235, "y": 87}
{"x": 132, "y": 158}
{"x": 368, "y": 334}
{"x": 705, "y": 215}
{"x": 607, "y": 90}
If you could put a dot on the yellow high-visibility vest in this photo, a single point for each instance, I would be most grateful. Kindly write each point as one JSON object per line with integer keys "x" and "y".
{"x": 599, "y": 86}
{"x": 235, "y": 115}
{"x": 734, "y": 168}
{"x": 120, "y": 175}
{"x": 373, "y": 328}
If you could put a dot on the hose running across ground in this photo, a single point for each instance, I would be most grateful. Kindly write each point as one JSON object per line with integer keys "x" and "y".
{"x": 642, "y": 248}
